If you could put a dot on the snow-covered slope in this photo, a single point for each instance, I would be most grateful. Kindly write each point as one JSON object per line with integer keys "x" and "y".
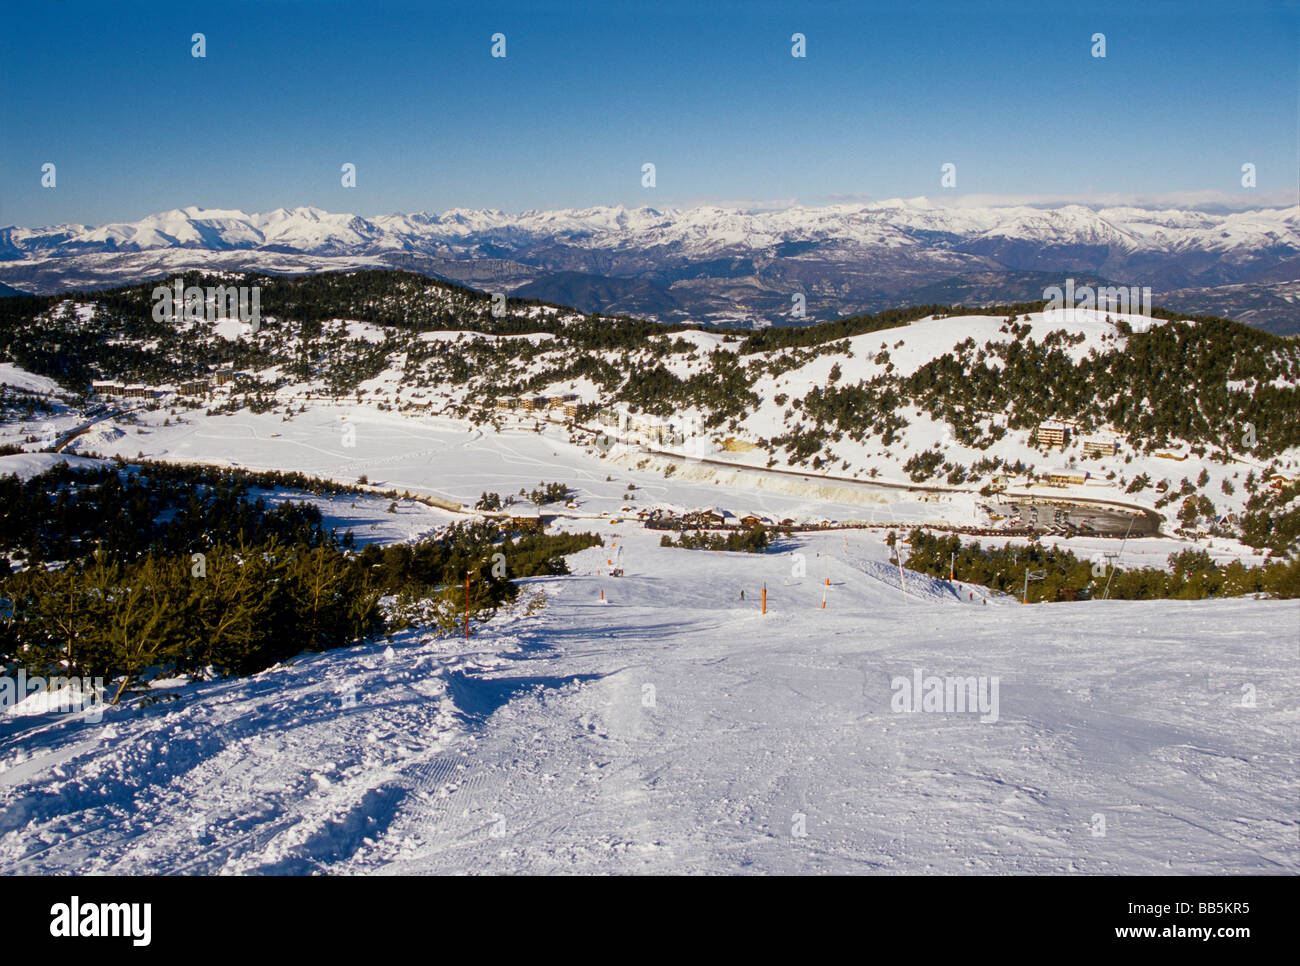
{"x": 26, "y": 465}
{"x": 847, "y": 476}
{"x": 675, "y": 728}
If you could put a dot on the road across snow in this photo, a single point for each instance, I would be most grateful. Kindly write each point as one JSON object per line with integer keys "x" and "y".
{"x": 675, "y": 728}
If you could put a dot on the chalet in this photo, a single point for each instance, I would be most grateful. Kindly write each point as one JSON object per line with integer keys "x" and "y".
{"x": 571, "y": 411}
{"x": 507, "y": 402}
{"x": 193, "y": 387}
{"x": 702, "y": 519}
{"x": 223, "y": 376}
{"x": 106, "y": 387}
{"x": 753, "y": 521}
{"x": 138, "y": 390}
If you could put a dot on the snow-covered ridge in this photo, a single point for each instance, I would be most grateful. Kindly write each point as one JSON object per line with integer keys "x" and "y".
{"x": 899, "y": 223}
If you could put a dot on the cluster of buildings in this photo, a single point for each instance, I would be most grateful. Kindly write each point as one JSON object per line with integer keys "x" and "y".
{"x": 1059, "y": 433}
{"x": 709, "y": 518}
{"x": 564, "y": 406}
{"x": 136, "y": 390}
{"x": 189, "y": 387}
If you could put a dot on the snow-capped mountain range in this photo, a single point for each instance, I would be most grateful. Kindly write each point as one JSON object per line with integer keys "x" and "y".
{"x": 711, "y": 263}
{"x": 702, "y": 231}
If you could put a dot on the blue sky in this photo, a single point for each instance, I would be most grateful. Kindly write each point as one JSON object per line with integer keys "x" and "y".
{"x": 588, "y": 92}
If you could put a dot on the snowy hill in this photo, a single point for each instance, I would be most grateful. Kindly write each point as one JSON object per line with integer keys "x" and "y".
{"x": 675, "y": 728}
{"x": 1186, "y": 425}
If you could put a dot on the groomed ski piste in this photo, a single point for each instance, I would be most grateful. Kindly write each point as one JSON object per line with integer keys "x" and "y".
{"x": 659, "y": 723}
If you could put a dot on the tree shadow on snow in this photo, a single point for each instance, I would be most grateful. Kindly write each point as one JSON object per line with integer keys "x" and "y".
{"x": 478, "y": 698}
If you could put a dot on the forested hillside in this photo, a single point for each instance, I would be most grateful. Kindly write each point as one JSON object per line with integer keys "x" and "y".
{"x": 937, "y": 395}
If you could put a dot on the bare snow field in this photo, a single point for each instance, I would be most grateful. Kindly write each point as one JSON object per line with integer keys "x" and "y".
{"x": 673, "y": 727}
{"x": 443, "y": 458}
{"x": 451, "y": 460}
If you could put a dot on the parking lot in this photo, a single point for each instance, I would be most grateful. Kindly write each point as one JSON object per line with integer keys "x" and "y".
{"x": 1062, "y": 516}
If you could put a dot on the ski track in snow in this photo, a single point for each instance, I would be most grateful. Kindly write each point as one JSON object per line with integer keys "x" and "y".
{"x": 677, "y": 729}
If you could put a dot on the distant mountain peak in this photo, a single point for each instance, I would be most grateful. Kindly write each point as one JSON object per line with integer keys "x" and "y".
{"x": 844, "y": 258}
